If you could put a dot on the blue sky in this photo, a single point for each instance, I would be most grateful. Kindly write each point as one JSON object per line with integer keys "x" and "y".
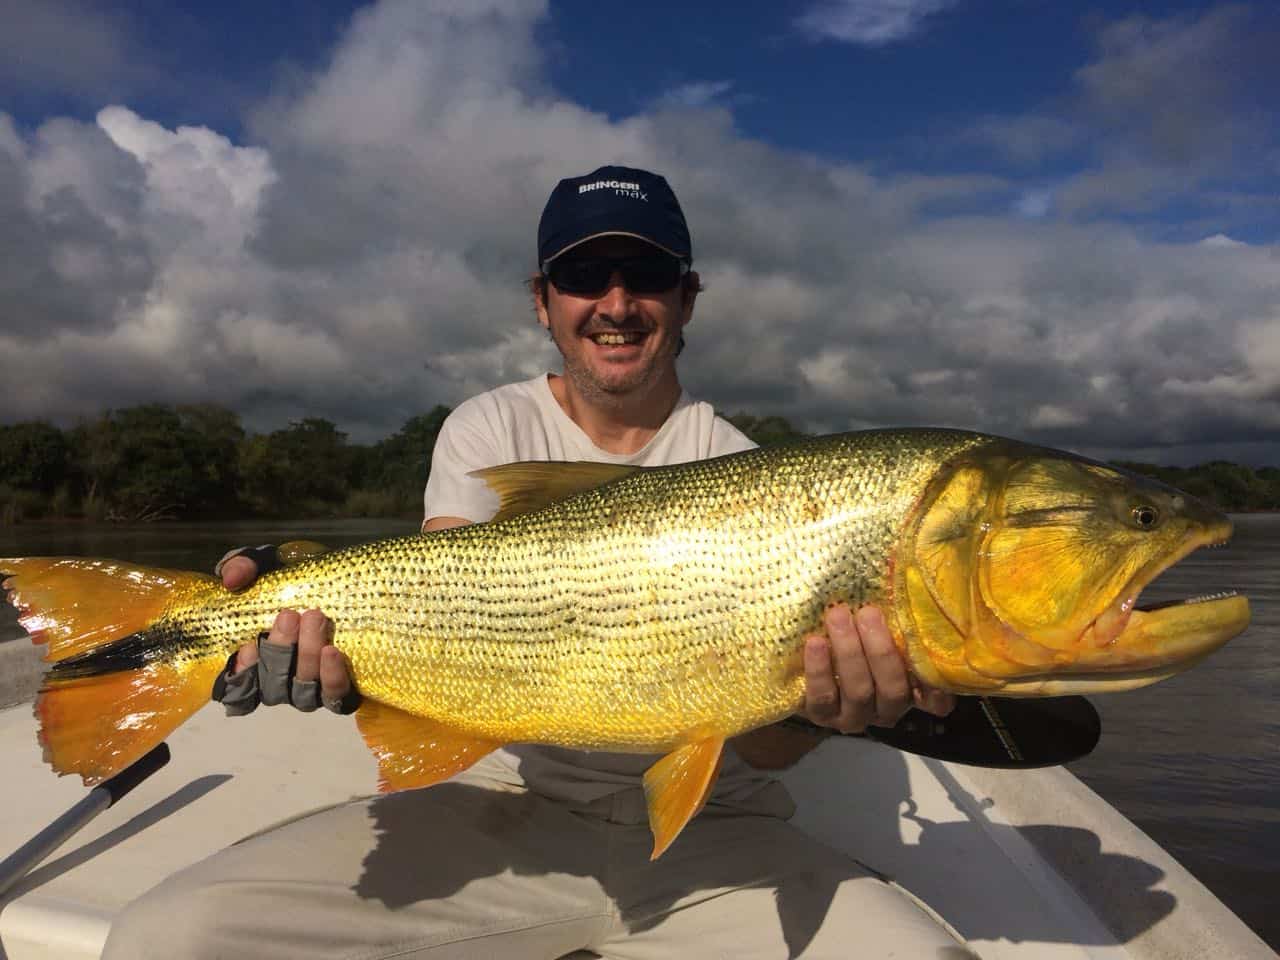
{"x": 1052, "y": 220}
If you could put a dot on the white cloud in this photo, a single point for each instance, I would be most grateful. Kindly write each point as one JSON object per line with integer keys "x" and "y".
{"x": 870, "y": 23}
{"x": 363, "y": 259}
{"x": 1222, "y": 241}
{"x": 1166, "y": 112}
{"x": 703, "y": 93}
{"x": 1054, "y": 415}
{"x": 71, "y": 47}
{"x": 195, "y": 175}
{"x": 1034, "y": 203}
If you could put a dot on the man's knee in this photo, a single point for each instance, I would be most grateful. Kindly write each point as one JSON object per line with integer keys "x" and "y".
{"x": 169, "y": 922}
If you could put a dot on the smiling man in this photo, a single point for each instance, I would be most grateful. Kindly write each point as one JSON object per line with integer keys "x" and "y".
{"x": 539, "y": 851}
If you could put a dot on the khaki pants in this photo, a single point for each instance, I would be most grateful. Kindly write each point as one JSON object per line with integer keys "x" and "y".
{"x": 478, "y": 869}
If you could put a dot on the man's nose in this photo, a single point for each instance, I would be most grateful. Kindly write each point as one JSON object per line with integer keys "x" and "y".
{"x": 616, "y": 300}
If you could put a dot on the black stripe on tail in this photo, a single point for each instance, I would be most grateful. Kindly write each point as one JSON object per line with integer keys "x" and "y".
{"x": 133, "y": 652}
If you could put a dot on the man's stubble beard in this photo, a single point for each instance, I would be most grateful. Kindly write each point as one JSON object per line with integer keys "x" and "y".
{"x": 607, "y": 394}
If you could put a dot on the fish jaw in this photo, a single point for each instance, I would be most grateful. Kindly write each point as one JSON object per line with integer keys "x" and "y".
{"x": 1170, "y": 638}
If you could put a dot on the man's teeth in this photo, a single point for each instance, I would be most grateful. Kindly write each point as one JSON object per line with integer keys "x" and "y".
{"x": 616, "y": 339}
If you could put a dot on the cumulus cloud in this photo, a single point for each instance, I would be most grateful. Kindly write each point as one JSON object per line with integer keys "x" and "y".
{"x": 1222, "y": 240}
{"x": 70, "y": 47}
{"x": 1025, "y": 139}
{"x": 1172, "y": 87}
{"x": 360, "y": 256}
{"x": 702, "y": 93}
{"x": 1163, "y": 111}
{"x": 868, "y": 23}
{"x": 1034, "y": 203}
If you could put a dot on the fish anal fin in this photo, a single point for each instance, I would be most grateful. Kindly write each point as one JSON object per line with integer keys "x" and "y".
{"x": 414, "y": 751}
{"x": 76, "y": 605}
{"x": 527, "y": 486}
{"x": 677, "y": 787}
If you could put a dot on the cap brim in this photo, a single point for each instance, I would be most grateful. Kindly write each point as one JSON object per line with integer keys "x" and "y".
{"x": 612, "y": 233}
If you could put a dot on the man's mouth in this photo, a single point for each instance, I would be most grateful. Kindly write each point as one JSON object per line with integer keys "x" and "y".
{"x": 617, "y": 338}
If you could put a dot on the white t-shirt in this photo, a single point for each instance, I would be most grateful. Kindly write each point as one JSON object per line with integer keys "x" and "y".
{"x": 524, "y": 421}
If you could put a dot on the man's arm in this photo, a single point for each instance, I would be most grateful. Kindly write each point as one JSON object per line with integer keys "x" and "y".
{"x": 432, "y": 524}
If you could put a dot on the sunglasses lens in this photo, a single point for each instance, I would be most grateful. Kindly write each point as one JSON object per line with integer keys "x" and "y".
{"x": 651, "y": 274}
{"x": 584, "y": 275}
{"x": 655, "y": 274}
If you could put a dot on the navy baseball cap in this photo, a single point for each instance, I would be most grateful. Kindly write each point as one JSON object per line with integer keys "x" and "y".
{"x": 613, "y": 201}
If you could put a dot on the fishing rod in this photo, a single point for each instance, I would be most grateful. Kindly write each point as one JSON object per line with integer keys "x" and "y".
{"x": 1003, "y": 732}
{"x": 16, "y": 866}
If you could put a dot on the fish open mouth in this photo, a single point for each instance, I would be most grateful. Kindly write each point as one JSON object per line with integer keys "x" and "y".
{"x": 1135, "y": 644}
{"x": 1164, "y": 604}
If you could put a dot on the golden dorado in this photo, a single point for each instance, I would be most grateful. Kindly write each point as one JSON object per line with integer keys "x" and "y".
{"x": 659, "y": 610}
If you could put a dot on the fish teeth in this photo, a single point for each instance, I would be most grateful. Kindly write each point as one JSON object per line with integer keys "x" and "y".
{"x": 1208, "y": 598}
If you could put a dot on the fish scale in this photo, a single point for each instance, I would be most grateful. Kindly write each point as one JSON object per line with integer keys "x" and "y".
{"x": 622, "y": 617}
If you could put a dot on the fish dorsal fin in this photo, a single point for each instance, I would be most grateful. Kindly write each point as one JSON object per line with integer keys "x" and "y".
{"x": 677, "y": 787}
{"x": 530, "y": 485}
{"x": 415, "y": 751}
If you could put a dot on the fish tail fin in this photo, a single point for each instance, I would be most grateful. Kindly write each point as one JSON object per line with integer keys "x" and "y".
{"x": 122, "y": 678}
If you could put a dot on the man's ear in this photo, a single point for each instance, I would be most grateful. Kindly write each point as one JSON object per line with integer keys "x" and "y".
{"x": 688, "y": 294}
{"x": 538, "y": 286}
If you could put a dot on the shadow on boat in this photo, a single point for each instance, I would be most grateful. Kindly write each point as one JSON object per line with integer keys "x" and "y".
{"x": 170, "y": 805}
{"x": 990, "y": 880}
{"x": 941, "y": 844}
{"x": 982, "y": 876}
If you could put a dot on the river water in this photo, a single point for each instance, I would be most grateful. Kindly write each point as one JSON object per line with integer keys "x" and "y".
{"x": 1194, "y": 761}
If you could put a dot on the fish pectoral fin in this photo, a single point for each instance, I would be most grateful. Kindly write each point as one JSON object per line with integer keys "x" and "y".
{"x": 677, "y": 787}
{"x": 414, "y": 751}
{"x": 530, "y": 485}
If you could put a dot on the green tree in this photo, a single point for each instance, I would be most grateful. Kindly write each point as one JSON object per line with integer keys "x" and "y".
{"x": 766, "y": 430}
{"x": 1228, "y": 486}
{"x": 34, "y": 456}
{"x": 399, "y": 465}
{"x": 213, "y": 438}
{"x": 154, "y": 461}
{"x": 1269, "y": 478}
{"x": 302, "y": 469}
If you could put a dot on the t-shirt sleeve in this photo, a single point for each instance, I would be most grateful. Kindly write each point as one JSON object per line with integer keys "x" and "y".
{"x": 726, "y": 438}
{"x": 463, "y": 444}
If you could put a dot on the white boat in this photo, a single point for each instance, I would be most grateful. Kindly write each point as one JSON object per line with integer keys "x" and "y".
{"x": 1024, "y": 865}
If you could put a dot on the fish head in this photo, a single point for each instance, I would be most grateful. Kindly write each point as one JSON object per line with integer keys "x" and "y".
{"x": 1024, "y": 569}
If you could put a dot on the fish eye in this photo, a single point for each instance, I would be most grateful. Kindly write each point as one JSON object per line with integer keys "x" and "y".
{"x": 1145, "y": 516}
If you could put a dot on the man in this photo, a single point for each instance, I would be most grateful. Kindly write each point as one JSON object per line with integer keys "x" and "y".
{"x": 539, "y": 851}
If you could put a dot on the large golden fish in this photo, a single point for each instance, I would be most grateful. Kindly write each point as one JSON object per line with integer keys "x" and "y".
{"x": 660, "y": 610}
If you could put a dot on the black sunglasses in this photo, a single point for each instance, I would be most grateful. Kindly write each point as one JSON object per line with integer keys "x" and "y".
{"x": 655, "y": 273}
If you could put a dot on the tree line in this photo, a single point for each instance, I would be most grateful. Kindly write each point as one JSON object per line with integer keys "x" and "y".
{"x": 196, "y": 461}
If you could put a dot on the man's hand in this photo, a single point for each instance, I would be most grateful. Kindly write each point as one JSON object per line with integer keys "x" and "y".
{"x": 855, "y": 677}
{"x": 297, "y": 662}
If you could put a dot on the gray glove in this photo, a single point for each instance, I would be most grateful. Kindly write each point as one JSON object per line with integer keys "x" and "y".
{"x": 271, "y": 680}
{"x": 270, "y": 557}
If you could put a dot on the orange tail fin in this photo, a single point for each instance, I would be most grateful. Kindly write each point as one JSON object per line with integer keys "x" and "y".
{"x": 121, "y": 681}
